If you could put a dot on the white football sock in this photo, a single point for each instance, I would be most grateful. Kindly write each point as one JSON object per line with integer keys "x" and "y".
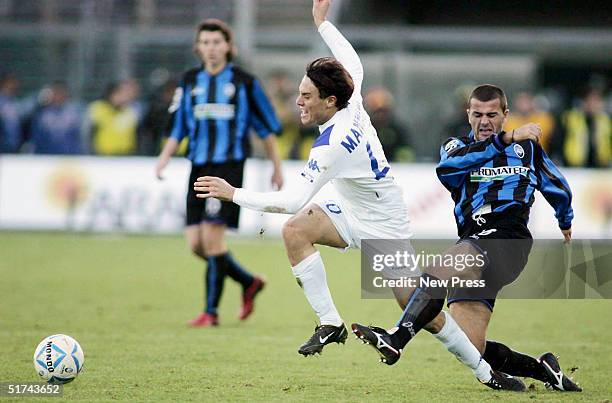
{"x": 311, "y": 274}
{"x": 457, "y": 342}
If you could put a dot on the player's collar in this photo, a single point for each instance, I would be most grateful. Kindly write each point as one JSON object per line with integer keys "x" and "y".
{"x": 227, "y": 67}
{"x": 329, "y": 123}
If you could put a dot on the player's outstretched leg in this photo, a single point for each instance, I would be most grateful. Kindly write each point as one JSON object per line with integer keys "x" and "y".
{"x": 545, "y": 369}
{"x": 323, "y": 335}
{"x": 447, "y": 331}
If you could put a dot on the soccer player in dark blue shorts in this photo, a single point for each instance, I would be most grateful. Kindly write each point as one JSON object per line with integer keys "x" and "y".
{"x": 492, "y": 176}
{"x": 215, "y": 106}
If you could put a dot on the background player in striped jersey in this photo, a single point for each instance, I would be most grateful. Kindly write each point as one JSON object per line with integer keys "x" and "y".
{"x": 492, "y": 176}
{"x": 215, "y": 107}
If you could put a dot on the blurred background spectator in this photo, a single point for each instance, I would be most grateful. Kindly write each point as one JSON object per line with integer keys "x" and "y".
{"x": 523, "y": 110}
{"x": 55, "y": 125}
{"x": 419, "y": 59}
{"x": 112, "y": 121}
{"x": 156, "y": 122}
{"x": 585, "y": 134}
{"x": 132, "y": 89}
{"x": 282, "y": 92}
{"x": 458, "y": 125}
{"x": 10, "y": 125}
{"x": 393, "y": 134}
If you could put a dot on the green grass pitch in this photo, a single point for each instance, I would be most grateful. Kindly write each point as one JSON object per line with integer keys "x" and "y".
{"x": 126, "y": 300}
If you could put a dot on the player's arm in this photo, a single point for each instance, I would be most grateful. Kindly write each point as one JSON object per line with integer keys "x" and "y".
{"x": 271, "y": 146}
{"x": 316, "y": 173}
{"x": 267, "y": 126}
{"x": 337, "y": 43}
{"x": 556, "y": 190}
{"x": 178, "y": 130}
{"x": 164, "y": 157}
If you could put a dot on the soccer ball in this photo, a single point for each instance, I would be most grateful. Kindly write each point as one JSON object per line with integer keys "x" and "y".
{"x": 58, "y": 359}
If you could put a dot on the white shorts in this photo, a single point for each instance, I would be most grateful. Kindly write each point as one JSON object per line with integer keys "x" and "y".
{"x": 353, "y": 231}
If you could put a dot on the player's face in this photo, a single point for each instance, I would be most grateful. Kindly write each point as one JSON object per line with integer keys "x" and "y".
{"x": 313, "y": 109}
{"x": 212, "y": 48}
{"x": 486, "y": 118}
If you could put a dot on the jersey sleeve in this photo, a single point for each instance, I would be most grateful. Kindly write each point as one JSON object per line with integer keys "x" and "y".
{"x": 554, "y": 187}
{"x": 259, "y": 126}
{"x": 263, "y": 119}
{"x": 178, "y": 112}
{"x": 321, "y": 167}
{"x": 342, "y": 50}
{"x": 458, "y": 158}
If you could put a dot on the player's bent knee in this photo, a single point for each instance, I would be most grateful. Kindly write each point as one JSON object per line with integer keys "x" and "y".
{"x": 197, "y": 250}
{"x": 288, "y": 230}
{"x": 195, "y": 245}
{"x": 293, "y": 231}
{"x": 213, "y": 239}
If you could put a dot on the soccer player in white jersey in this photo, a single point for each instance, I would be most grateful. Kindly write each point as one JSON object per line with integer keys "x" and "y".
{"x": 370, "y": 204}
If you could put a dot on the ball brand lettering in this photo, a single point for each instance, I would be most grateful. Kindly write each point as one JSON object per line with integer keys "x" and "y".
{"x": 48, "y": 360}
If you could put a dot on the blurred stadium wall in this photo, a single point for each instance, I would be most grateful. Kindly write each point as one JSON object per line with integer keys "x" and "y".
{"x": 104, "y": 194}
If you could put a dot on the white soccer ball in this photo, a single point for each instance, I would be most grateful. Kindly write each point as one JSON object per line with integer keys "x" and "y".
{"x": 58, "y": 359}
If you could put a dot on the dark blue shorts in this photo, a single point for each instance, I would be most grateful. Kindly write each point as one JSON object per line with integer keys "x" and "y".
{"x": 214, "y": 210}
{"x": 506, "y": 243}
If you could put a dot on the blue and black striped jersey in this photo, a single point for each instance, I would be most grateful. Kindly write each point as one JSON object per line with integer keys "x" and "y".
{"x": 217, "y": 112}
{"x": 478, "y": 173}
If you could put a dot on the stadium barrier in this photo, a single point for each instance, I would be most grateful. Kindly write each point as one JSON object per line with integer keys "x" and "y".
{"x": 102, "y": 194}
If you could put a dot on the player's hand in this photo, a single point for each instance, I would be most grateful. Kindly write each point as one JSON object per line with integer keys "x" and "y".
{"x": 277, "y": 179}
{"x": 530, "y": 131}
{"x": 567, "y": 234}
{"x": 211, "y": 186}
{"x": 319, "y": 11}
{"x": 159, "y": 168}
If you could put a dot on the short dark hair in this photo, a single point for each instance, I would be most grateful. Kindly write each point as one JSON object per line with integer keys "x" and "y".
{"x": 489, "y": 92}
{"x": 330, "y": 78}
{"x": 216, "y": 25}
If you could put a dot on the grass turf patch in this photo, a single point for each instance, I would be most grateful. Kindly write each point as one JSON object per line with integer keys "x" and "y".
{"x": 126, "y": 300}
